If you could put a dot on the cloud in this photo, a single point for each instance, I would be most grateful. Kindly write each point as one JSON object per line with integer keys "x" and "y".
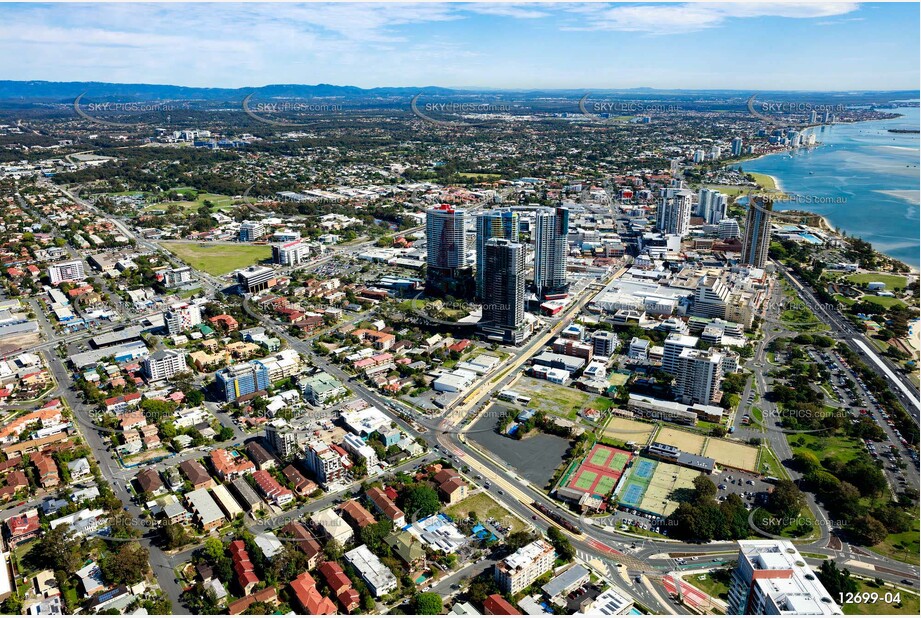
{"x": 692, "y": 17}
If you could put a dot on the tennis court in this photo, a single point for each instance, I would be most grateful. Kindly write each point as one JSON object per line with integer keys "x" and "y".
{"x": 632, "y": 495}
{"x": 688, "y": 442}
{"x": 586, "y": 480}
{"x": 644, "y": 468}
{"x": 660, "y": 497}
{"x": 598, "y": 472}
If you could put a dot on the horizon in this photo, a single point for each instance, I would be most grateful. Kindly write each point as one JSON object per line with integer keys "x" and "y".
{"x": 471, "y": 46}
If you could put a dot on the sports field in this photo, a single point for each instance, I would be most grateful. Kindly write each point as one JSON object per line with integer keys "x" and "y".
{"x": 627, "y": 430}
{"x": 652, "y": 486}
{"x": 598, "y": 472}
{"x": 688, "y": 442}
{"x": 732, "y": 454}
{"x": 218, "y": 259}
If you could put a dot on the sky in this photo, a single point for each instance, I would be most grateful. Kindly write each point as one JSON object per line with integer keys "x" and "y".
{"x": 694, "y": 45}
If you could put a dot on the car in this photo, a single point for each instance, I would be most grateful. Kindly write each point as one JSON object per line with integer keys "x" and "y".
{"x": 501, "y": 493}
{"x": 908, "y": 582}
{"x": 534, "y": 517}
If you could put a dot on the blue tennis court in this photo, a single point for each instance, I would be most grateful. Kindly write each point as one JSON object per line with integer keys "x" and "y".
{"x": 633, "y": 494}
{"x": 644, "y": 468}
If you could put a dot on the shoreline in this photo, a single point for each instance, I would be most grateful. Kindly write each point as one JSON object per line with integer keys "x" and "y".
{"x": 914, "y": 270}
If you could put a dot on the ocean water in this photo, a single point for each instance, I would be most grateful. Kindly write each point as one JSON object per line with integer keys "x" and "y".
{"x": 863, "y": 179}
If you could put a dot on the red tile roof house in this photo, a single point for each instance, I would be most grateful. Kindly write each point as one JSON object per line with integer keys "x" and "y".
{"x": 340, "y": 585}
{"x": 22, "y": 528}
{"x": 122, "y": 402}
{"x": 295, "y": 532}
{"x": 309, "y": 598}
{"x": 243, "y": 566}
{"x": 303, "y": 486}
{"x": 224, "y": 320}
{"x": 228, "y": 467}
{"x": 495, "y": 605}
{"x": 386, "y": 507}
{"x": 47, "y": 470}
{"x": 269, "y": 596}
{"x": 272, "y": 489}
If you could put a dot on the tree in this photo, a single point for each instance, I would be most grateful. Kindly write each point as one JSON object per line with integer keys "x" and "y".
{"x": 868, "y": 530}
{"x": 786, "y": 499}
{"x": 704, "y": 488}
{"x": 836, "y": 581}
{"x": 128, "y": 565}
{"x": 333, "y": 550}
{"x": 56, "y": 549}
{"x": 421, "y": 501}
{"x": 560, "y": 543}
{"x": 427, "y": 603}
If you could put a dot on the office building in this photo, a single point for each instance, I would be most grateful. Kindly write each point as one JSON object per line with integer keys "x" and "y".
{"x": 322, "y": 388}
{"x": 177, "y": 276}
{"x": 446, "y": 251}
{"x": 66, "y": 271}
{"x": 711, "y": 298}
{"x": 737, "y": 146}
{"x": 757, "y": 232}
{"x": 772, "y": 578}
{"x": 675, "y": 344}
{"x": 503, "y": 281}
{"x": 291, "y": 253}
{"x": 256, "y": 278}
{"x": 492, "y": 224}
{"x": 251, "y": 230}
{"x": 241, "y": 380}
{"x": 729, "y": 228}
{"x": 163, "y": 364}
{"x": 324, "y": 463}
{"x": 181, "y": 317}
{"x": 518, "y": 571}
{"x": 551, "y": 246}
{"x": 699, "y": 375}
{"x": 674, "y": 213}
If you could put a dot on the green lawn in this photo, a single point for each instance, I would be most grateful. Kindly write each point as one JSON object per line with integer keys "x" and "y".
{"x": 484, "y": 507}
{"x": 769, "y": 459}
{"x": 218, "y": 259}
{"x": 891, "y": 281}
{"x": 764, "y": 180}
{"x": 479, "y": 175}
{"x": 909, "y": 602}
{"x": 729, "y": 190}
{"x": 602, "y": 404}
{"x": 904, "y": 546}
{"x": 839, "y": 448}
{"x": 882, "y": 301}
{"x": 219, "y": 202}
{"x": 715, "y": 583}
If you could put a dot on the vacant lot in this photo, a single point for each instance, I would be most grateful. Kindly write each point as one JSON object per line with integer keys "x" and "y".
{"x": 553, "y": 398}
{"x": 732, "y": 454}
{"x": 687, "y": 442}
{"x": 218, "y": 259}
{"x": 627, "y": 430}
{"x": 485, "y": 508}
{"x": 535, "y": 458}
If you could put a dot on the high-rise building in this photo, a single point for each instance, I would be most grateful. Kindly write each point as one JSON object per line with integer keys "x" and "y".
{"x": 711, "y": 205}
{"x": 675, "y": 344}
{"x": 772, "y": 578}
{"x": 757, "y": 232}
{"x": 699, "y": 375}
{"x": 737, "y": 146}
{"x": 256, "y": 278}
{"x": 674, "y": 213}
{"x": 503, "y": 284}
{"x": 66, "y": 271}
{"x": 446, "y": 250}
{"x": 492, "y": 224}
{"x": 240, "y": 380}
{"x": 519, "y": 570}
{"x": 177, "y": 276}
{"x": 163, "y": 364}
{"x": 323, "y": 462}
{"x": 282, "y": 437}
{"x": 250, "y": 231}
{"x": 711, "y": 298}
{"x": 551, "y": 246}
{"x": 181, "y": 317}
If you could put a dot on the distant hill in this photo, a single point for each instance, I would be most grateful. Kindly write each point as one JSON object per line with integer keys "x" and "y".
{"x": 65, "y": 92}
